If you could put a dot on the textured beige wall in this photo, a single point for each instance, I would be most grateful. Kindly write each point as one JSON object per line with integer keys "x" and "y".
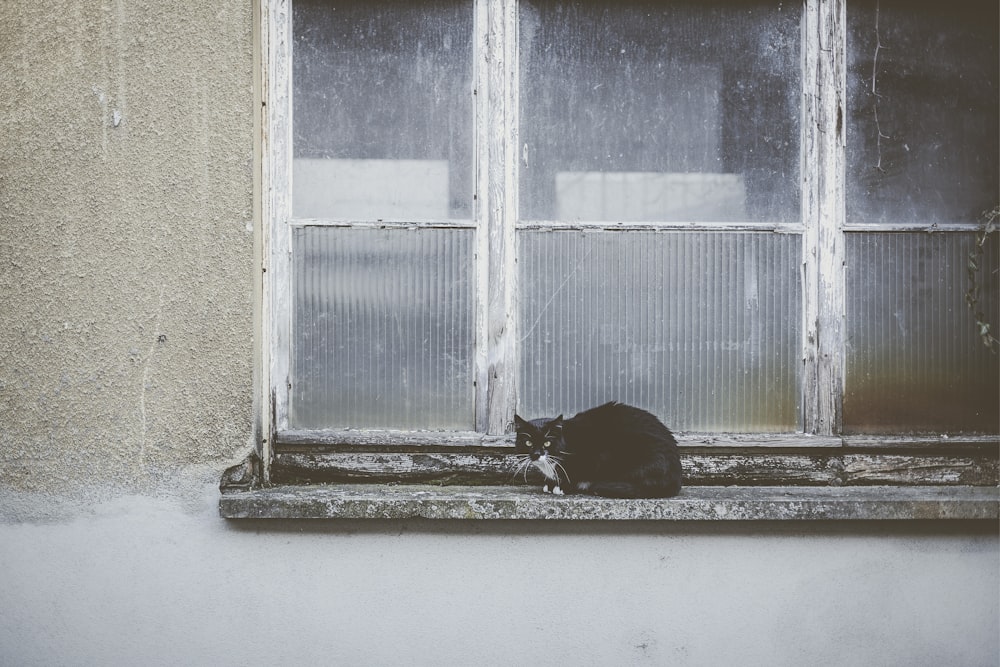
{"x": 125, "y": 240}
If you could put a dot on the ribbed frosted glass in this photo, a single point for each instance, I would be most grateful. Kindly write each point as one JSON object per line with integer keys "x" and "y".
{"x": 922, "y": 111}
{"x": 647, "y": 111}
{"x": 382, "y": 109}
{"x": 703, "y": 329}
{"x": 382, "y": 329}
{"x": 915, "y": 361}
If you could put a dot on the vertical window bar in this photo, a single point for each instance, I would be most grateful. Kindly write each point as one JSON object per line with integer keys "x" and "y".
{"x": 496, "y": 108}
{"x": 277, "y": 188}
{"x": 823, "y": 160}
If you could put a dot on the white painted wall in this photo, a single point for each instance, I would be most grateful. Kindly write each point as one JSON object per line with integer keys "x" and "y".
{"x": 163, "y": 581}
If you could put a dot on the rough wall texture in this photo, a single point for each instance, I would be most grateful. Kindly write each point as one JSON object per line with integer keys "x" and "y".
{"x": 125, "y": 240}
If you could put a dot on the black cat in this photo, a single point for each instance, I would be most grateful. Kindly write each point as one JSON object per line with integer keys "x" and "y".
{"x": 613, "y": 450}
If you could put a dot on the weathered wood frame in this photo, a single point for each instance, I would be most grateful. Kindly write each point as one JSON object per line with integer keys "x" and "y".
{"x": 824, "y": 46}
{"x": 352, "y": 454}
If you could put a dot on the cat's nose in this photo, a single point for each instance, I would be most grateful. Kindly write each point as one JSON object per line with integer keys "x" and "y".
{"x": 535, "y": 456}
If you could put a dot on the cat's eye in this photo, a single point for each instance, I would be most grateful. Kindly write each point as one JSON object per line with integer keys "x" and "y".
{"x": 546, "y": 444}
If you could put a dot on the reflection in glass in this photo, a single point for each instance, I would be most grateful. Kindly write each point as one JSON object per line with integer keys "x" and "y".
{"x": 922, "y": 116}
{"x": 915, "y": 361}
{"x": 644, "y": 111}
{"x": 382, "y": 331}
{"x": 382, "y": 106}
{"x": 701, "y": 329}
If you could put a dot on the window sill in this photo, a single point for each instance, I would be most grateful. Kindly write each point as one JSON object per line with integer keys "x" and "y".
{"x": 696, "y": 503}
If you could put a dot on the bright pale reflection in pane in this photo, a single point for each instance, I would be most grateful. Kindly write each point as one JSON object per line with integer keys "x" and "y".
{"x": 354, "y": 189}
{"x": 650, "y": 197}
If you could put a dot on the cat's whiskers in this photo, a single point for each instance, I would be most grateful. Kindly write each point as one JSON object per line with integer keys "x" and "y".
{"x": 522, "y": 466}
{"x": 557, "y": 465}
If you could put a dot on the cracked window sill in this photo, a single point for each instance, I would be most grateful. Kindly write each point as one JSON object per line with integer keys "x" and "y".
{"x": 697, "y": 503}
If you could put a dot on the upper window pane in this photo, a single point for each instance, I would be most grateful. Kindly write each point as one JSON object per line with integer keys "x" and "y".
{"x": 922, "y": 111}
{"x": 382, "y": 110}
{"x": 661, "y": 112}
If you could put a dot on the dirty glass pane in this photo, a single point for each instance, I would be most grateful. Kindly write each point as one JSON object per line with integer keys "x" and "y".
{"x": 382, "y": 109}
{"x": 916, "y": 362}
{"x": 922, "y": 111}
{"x": 651, "y": 111}
{"x": 701, "y": 329}
{"x": 382, "y": 329}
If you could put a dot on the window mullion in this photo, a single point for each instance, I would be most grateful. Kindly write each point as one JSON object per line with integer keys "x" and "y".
{"x": 496, "y": 111}
{"x": 276, "y": 188}
{"x": 824, "y": 151}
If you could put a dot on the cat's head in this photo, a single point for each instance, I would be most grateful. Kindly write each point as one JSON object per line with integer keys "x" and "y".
{"x": 539, "y": 438}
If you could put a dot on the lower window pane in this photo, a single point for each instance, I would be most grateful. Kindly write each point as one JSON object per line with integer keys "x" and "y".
{"x": 916, "y": 362}
{"x": 702, "y": 329}
{"x": 382, "y": 329}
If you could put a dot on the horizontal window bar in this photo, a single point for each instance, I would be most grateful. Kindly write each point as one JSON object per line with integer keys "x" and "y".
{"x": 383, "y": 224}
{"x": 933, "y": 228}
{"x": 777, "y": 227}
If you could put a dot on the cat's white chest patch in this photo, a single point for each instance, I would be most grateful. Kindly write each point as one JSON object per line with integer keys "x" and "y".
{"x": 545, "y": 466}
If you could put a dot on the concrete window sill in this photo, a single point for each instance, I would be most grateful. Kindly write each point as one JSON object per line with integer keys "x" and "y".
{"x": 697, "y": 503}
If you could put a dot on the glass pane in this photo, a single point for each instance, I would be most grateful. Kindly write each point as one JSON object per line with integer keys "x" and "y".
{"x": 915, "y": 360}
{"x": 701, "y": 329}
{"x": 382, "y": 100}
{"x": 922, "y": 111}
{"x": 382, "y": 329}
{"x": 649, "y": 111}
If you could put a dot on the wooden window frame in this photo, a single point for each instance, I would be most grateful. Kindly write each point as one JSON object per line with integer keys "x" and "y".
{"x": 817, "y": 455}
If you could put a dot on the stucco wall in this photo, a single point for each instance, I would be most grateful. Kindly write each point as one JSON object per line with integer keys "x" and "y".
{"x": 125, "y": 389}
{"x": 126, "y": 223}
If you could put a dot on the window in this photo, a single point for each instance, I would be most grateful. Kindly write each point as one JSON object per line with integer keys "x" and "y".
{"x": 752, "y": 218}
{"x": 922, "y": 141}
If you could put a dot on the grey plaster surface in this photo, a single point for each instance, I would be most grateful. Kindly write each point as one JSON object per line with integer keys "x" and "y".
{"x": 126, "y": 220}
{"x": 358, "y": 501}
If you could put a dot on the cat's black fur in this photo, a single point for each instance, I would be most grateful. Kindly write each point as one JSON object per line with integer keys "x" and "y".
{"x": 613, "y": 450}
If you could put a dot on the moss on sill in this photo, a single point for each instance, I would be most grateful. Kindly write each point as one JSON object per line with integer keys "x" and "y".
{"x": 697, "y": 503}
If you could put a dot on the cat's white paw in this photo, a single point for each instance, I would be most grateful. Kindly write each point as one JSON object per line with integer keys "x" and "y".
{"x": 556, "y": 491}
{"x": 545, "y": 489}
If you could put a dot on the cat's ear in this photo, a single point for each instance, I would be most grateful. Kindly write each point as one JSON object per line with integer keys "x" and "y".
{"x": 558, "y": 421}
{"x": 519, "y": 423}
